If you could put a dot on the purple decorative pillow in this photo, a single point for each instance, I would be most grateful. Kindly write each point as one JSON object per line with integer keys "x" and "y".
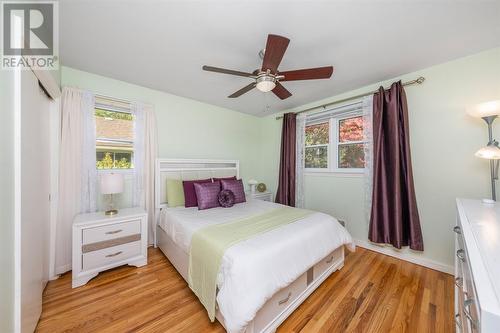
{"x": 226, "y": 198}
{"x": 235, "y": 186}
{"x": 207, "y": 194}
{"x": 189, "y": 193}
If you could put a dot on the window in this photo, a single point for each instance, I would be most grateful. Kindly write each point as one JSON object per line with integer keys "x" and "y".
{"x": 114, "y": 139}
{"x": 335, "y": 144}
{"x": 350, "y": 145}
{"x": 317, "y": 141}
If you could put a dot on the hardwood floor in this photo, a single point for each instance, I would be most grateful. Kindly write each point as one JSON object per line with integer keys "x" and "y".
{"x": 372, "y": 293}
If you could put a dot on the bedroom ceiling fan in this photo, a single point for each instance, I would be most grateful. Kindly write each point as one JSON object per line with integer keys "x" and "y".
{"x": 268, "y": 78}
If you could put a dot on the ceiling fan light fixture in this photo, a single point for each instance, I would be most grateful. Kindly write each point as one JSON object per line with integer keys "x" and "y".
{"x": 266, "y": 83}
{"x": 268, "y": 78}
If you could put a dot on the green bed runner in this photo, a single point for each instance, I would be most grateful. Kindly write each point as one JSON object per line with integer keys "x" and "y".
{"x": 209, "y": 244}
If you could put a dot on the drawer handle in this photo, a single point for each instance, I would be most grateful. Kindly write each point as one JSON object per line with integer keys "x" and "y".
{"x": 459, "y": 282}
{"x": 114, "y": 254}
{"x": 457, "y": 230}
{"x": 329, "y": 260}
{"x": 283, "y": 301}
{"x": 113, "y": 232}
{"x": 458, "y": 321}
{"x": 468, "y": 303}
{"x": 461, "y": 254}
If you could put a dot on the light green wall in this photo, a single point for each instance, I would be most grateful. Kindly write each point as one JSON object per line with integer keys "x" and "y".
{"x": 186, "y": 128}
{"x": 443, "y": 141}
{"x": 7, "y": 202}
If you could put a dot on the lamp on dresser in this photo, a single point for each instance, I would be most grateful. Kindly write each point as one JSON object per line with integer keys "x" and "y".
{"x": 253, "y": 184}
{"x": 489, "y": 111}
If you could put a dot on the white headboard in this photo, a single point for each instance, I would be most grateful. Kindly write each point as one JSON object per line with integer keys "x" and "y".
{"x": 188, "y": 169}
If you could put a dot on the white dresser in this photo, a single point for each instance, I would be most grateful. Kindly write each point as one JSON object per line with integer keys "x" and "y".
{"x": 102, "y": 242}
{"x": 477, "y": 266}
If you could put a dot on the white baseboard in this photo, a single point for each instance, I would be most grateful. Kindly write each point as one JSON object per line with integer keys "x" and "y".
{"x": 62, "y": 269}
{"x": 393, "y": 252}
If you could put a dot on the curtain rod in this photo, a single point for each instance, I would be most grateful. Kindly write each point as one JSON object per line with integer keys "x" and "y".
{"x": 419, "y": 80}
{"x": 120, "y": 100}
{"x": 111, "y": 98}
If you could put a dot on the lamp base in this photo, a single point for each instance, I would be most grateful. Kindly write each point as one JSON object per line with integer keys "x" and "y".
{"x": 111, "y": 212}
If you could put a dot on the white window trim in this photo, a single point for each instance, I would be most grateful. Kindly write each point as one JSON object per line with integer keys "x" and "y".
{"x": 332, "y": 150}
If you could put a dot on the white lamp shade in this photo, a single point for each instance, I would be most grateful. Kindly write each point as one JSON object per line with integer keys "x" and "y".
{"x": 252, "y": 182}
{"x": 489, "y": 152}
{"x": 111, "y": 183}
{"x": 485, "y": 109}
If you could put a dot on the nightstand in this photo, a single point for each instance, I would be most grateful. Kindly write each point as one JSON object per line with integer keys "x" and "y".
{"x": 266, "y": 196}
{"x": 101, "y": 242}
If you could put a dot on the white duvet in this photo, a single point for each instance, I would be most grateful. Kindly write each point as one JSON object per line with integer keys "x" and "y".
{"x": 252, "y": 271}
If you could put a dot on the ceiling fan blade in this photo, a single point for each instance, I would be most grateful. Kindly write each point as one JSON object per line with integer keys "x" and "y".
{"x": 275, "y": 49}
{"x": 226, "y": 71}
{"x": 243, "y": 90}
{"x": 281, "y": 91}
{"x": 308, "y": 74}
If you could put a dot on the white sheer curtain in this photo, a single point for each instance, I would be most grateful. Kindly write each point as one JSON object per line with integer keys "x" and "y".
{"x": 146, "y": 152}
{"x": 138, "y": 179}
{"x": 368, "y": 138}
{"x": 77, "y": 169}
{"x": 299, "y": 167}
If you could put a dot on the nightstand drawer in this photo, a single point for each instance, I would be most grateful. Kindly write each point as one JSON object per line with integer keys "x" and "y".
{"x": 264, "y": 196}
{"x": 104, "y": 233}
{"x": 110, "y": 255}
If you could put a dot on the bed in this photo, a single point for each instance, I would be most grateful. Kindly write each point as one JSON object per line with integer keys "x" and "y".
{"x": 261, "y": 280}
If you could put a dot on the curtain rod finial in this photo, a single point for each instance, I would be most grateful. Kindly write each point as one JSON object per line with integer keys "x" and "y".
{"x": 420, "y": 80}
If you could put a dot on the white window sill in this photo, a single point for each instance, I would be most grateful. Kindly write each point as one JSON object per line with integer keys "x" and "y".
{"x": 127, "y": 173}
{"x": 341, "y": 174}
{"x": 115, "y": 170}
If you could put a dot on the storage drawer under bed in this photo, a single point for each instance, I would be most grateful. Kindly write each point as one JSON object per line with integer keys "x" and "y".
{"x": 286, "y": 296}
{"x": 279, "y": 302}
{"x": 330, "y": 260}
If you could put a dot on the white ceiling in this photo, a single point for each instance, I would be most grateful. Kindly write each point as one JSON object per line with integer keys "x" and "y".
{"x": 163, "y": 44}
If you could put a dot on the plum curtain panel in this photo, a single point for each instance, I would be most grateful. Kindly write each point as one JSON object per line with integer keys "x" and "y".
{"x": 286, "y": 182}
{"x": 77, "y": 169}
{"x": 394, "y": 215}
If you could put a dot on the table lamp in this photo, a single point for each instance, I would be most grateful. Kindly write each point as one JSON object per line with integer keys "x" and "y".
{"x": 252, "y": 183}
{"x": 489, "y": 111}
{"x": 111, "y": 183}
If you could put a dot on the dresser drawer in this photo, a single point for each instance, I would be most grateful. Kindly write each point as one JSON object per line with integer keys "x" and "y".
{"x": 96, "y": 259}
{"x": 330, "y": 260}
{"x": 470, "y": 306}
{"x": 107, "y": 232}
{"x": 279, "y": 302}
{"x": 467, "y": 299}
